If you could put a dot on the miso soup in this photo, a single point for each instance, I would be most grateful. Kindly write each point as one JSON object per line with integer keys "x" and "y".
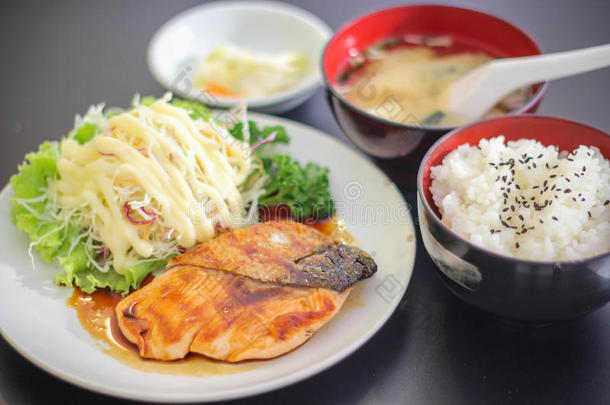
{"x": 405, "y": 81}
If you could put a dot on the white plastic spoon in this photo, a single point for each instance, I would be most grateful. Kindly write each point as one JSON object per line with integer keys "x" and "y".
{"x": 482, "y": 88}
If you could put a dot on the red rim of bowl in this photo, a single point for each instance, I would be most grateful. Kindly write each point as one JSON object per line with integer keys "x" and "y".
{"x": 437, "y": 219}
{"x": 519, "y": 111}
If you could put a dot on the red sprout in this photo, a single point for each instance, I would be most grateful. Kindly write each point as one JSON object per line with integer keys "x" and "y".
{"x": 222, "y": 228}
{"x": 127, "y": 211}
{"x": 105, "y": 252}
{"x": 270, "y": 138}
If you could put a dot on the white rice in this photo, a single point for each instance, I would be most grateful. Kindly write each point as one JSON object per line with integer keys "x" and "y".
{"x": 526, "y": 200}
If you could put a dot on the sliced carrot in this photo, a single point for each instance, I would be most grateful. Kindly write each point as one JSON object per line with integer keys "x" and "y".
{"x": 220, "y": 90}
{"x": 146, "y": 231}
{"x": 128, "y": 181}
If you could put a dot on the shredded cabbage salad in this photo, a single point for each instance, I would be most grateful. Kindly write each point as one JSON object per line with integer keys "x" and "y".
{"x": 114, "y": 235}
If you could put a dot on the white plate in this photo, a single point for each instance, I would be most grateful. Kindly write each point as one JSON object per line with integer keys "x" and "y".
{"x": 36, "y": 321}
{"x": 261, "y": 26}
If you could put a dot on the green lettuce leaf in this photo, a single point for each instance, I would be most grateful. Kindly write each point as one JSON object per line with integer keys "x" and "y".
{"x": 84, "y": 133}
{"x": 196, "y": 110}
{"x": 31, "y": 183}
{"x": 89, "y": 280}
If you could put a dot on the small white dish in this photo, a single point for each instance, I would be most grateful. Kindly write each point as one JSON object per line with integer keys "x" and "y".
{"x": 260, "y": 26}
{"x": 36, "y": 320}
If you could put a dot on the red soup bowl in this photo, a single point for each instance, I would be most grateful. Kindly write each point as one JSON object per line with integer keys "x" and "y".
{"x": 522, "y": 290}
{"x": 407, "y": 142}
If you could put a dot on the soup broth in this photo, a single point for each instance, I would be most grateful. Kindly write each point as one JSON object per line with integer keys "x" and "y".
{"x": 406, "y": 82}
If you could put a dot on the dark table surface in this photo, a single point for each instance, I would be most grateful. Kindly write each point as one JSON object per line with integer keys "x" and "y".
{"x": 57, "y": 58}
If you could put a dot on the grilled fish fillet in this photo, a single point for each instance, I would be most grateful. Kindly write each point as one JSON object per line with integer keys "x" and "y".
{"x": 253, "y": 293}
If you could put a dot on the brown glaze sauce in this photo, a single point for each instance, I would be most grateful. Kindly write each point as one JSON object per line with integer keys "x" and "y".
{"x": 96, "y": 314}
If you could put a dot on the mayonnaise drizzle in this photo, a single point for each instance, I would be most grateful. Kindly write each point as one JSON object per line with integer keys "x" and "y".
{"x": 185, "y": 171}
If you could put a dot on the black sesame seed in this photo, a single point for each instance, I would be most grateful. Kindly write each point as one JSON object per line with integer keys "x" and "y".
{"x": 541, "y": 221}
{"x": 567, "y": 190}
{"x": 553, "y": 176}
{"x": 534, "y": 164}
{"x": 521, "y": 217}
{"x": 518, "y": 187}
{"x": 539, "y": 156}
{"x": 555, "y": 218}
{"x": 606, "y": 202}
{"x": 584, "y": 168}
{"x": 517, "y": 245}
{"x": 504, "y": 209}
{"x": 589, "y": 213}
{"x": 536, "y": 187}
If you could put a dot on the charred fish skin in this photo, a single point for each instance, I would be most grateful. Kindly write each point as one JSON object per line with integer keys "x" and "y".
{"x": 337, "y": 267}
{"x": 282, "y": 252}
